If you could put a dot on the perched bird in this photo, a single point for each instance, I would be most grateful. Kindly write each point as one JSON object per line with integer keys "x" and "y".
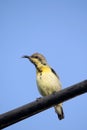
{"x": 47, "y": 80}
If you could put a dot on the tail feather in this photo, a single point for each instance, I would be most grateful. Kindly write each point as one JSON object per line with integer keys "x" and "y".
{"x": 59, "y": 111}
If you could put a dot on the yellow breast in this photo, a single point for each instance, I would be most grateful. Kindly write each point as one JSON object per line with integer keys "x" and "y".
{"x": 47, "y": 81}
{"x": 43, "y": 69}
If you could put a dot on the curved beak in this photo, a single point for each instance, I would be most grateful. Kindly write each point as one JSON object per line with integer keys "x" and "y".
{"x": 28, "y": 57}
{"x": 25, "y": 56}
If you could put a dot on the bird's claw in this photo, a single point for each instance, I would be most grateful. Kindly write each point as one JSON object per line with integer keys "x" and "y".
{"x": 38, "y": 99}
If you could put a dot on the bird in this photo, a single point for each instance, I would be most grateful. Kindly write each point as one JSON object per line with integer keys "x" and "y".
{"x": 47, "y": 80}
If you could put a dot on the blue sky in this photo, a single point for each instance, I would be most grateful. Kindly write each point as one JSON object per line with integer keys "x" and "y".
{"x": 58, "y": 30}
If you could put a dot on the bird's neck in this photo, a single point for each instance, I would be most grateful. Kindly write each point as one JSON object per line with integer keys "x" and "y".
{"x": 43, "y": 68}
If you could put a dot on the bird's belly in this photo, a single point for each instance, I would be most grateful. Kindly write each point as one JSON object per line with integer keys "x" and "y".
{"x": 48, "y": 83}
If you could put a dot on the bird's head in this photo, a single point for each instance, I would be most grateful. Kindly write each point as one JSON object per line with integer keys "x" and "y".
{"x": 37, "y": 59}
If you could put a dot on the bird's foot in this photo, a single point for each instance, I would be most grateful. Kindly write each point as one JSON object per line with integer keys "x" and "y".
{"x": 38, "y": 99}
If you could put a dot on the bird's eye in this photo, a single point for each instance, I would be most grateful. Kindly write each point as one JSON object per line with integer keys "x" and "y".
{"x": 36, "y": 57}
